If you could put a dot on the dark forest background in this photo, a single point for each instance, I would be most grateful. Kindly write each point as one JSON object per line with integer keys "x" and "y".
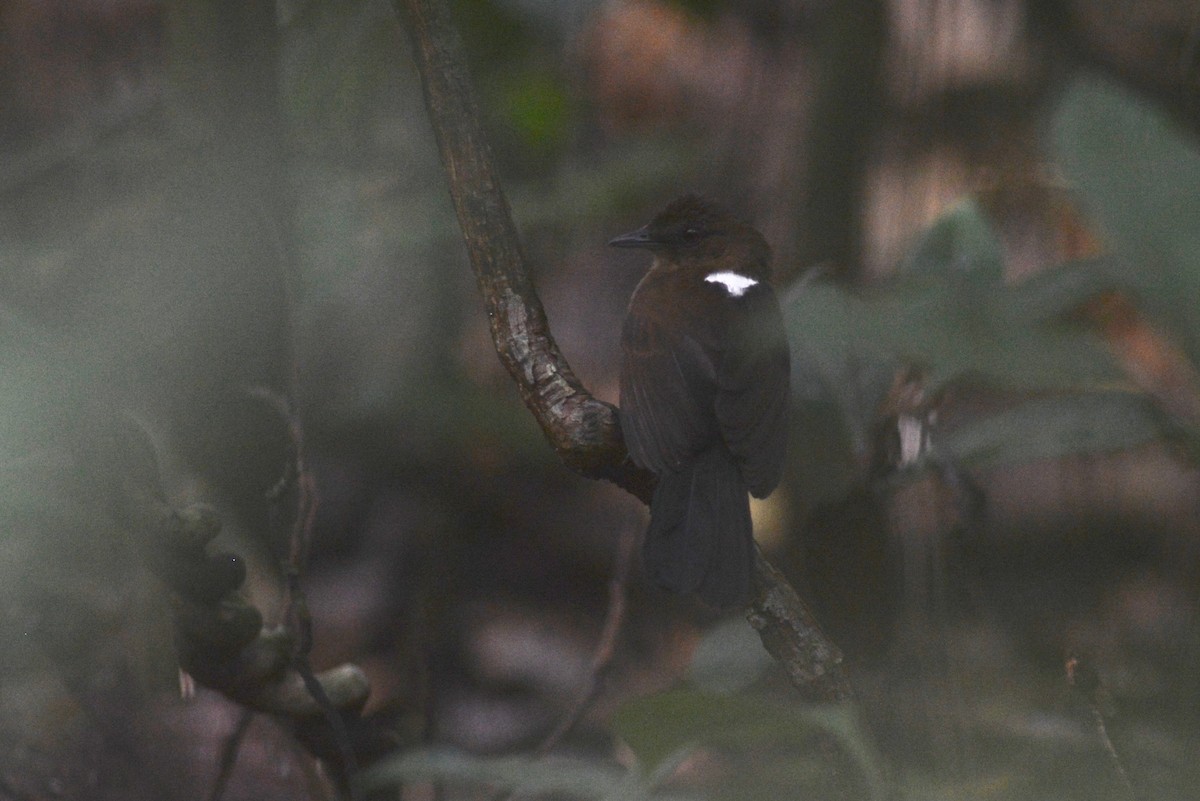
{"x": 226, "y": 242}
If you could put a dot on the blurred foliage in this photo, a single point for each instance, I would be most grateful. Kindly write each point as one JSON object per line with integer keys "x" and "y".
{"x": 1050, "y": 427}
{"x": 538, "y": 108}
{"x": 781, "y": 741}
{"x": 770, "y": 747}
{"x": 1138, "y": 174}
{"x": 949, "y": 312}
{"x": 765, "y": 749}
{"x": 960, "y": 243}
{"x": 577, "y": 778}
{"x": 494, "y": 34}
{"x": 340, "y": 67}
{"x": 525, "y": 92}
{"x": 337, "y": 59}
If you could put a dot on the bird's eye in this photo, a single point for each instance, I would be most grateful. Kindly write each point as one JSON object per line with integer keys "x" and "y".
{"x": 691, "y": 233}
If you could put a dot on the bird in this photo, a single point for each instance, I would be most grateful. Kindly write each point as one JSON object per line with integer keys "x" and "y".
{"x": 704, "y": 394}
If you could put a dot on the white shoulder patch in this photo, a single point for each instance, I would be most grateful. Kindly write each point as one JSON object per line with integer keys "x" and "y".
{"x": 735, "y": 284}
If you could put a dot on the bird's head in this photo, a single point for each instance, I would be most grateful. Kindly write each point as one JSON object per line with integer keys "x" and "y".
{"x": 696, "y": 233}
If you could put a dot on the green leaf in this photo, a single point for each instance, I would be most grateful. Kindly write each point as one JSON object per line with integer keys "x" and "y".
{"x": 1046, "y": 428}
{"x": 523, "y": 774}
{"x": 961, "y": 241}
{"x": 1138, "y": 176}
{"x": 659, "y": 726}
{"x": 847, "y": 345}
{"x": 835, "y": 355}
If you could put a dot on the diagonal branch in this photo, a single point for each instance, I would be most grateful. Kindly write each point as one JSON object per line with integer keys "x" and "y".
{"x": 583, "y": 430}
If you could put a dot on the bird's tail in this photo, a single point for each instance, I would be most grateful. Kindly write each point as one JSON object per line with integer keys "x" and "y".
{"x": 700, "y": 538}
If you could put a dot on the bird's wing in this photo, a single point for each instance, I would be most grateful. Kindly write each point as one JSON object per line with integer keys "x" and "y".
{"x": 753, "y": 380}
{"x": 668, "y": 379}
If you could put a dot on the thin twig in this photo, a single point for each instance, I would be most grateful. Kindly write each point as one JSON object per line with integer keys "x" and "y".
{"x": 1114, "y": 758}
{"x": 296, "y": 610}
{"x": 602, "y": 656}
{"x": 606, "y": 647}
{"x": 229, "y": 754}
{"x": 1083, "y": 678}
{"x": 302, "y": 625}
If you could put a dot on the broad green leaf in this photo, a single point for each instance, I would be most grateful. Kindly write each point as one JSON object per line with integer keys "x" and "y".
{"x": 956, "y": 329}
{"x": 1045, "y": 428}
{"x": 959, "y": 330}
{"x": 660, "y": 725}
{"x": 961, "y": 241}
{"x": 835, "y": 357}
{"x": 1140, "y": 179}
{"x": 948, "y": 312}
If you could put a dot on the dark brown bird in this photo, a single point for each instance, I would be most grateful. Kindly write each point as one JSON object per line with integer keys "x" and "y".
{"x": 704, "y": 394}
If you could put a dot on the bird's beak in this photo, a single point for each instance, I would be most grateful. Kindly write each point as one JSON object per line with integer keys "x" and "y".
{"x": 635, "y": 239}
